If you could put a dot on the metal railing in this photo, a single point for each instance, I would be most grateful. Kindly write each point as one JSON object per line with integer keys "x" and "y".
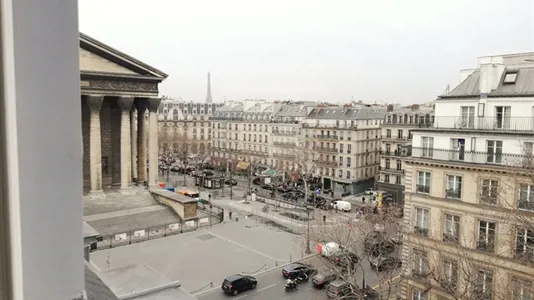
{"x": 326, "y": 150}
{"x": 253, "y": 153}
{"x": 402, "y": 153}
{"x": 284, "y": 133}
{"x": 391, "y": 170}
{"x": 476, "y": 157}
{"x": 453, "y": 193}
{"x": 327, "y": 163}
{"x": 285, "y": 144}
{"x": 326, "y": 137}
{"x": 395, "y": 138}
{"x": 503, "y": 123}
{"x": 422, "y": 188}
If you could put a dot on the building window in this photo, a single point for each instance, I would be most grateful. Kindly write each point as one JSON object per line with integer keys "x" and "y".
{"x": 386, "y": 178}
{"x": 467, "y": 116}
{"x": 423, "y": 182}
{"x": 421, "y": 221}
{"x": 486, "y": 236}
{"x": 399, "y": 164}
{"x": 502, "y": 117}
{"x": 451, "y": 230}
{"x": 484, "y": 285}
{"x": 488, "y": 192}
{"x": 399, "y": 134}
{"x": 525, "y": 245}
{"x": 348, "y": 161}
{"x": 388, "y": 148}
{"x": 449, "y": 278}
{"x": 388, "y": 133}
{"x": 494, "y": 152}
{"x": 454, "y": 187}
{"x": 341, "y": 160}
{"x": 526, "y": 197}
{"x": 458, "y": 149}
{"x": 348, "y": 174}
{"x": 340, "y": 148}
{"x": 427, "y": 145}
{"x": 521, "y": 289}
{"x": 349, "y": 147}
{"x": 420, "y": 264}
{"x": 388, "y": 163}
{"x": 397, "y": 180}
{"x": 418, "y": 295}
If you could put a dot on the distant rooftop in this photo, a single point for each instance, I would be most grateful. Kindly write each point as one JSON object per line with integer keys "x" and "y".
{"x": 347, "y": 113}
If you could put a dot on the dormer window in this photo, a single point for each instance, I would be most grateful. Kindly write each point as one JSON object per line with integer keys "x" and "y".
{"x": 510, "y": 77}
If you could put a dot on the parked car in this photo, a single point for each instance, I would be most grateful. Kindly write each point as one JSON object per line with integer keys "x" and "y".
{"x": 235, "y": 284}
{"x": 371, "y": 191}
{"x": 341, "y": 205}
{"x": 340, "y": 289}
{"x": 376, "y": 245}
{"x": 176, "y": 169}
{"x": 268, "y": 186}
{"x": 230, "y": 182}
{"x": 344, "y": 258}
{"x": 328, "y": 249}
{"x": 323, "y": 278}
{"x": 256, "y": 181}
{"x": 382, "y": 263}
{"x": 292, "y": 270}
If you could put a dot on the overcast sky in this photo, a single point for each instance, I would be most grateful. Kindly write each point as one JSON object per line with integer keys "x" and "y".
{"x": 397, "y": 51}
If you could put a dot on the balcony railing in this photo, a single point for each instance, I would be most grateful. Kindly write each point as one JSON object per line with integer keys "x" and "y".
{"x": 485, "y": 123}
{"x": 285, "y": 144}
{"x": 284, "y": 155}
{"x": 452, "y": 238}
{"x": 487, "y": 246}
{"x": 326, "y": 150}
{"x": 475, "y": 157}
{"x": 420, "y": 230}
{"x": 327, "y": 163}
{"x": 284, "y": 133}
{"x": 284, "y": 121}
{"x": 326, "y": 137}
{"x": 253, "y": 153}
{"x": 391, "y": 170}
{"x": 401, "y": 153}
{"x": 423, "y": 188}
{"x": 396, "y": 138}
{"x": 453, "y": 193}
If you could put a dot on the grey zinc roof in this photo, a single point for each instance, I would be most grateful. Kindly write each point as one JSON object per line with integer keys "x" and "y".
{"x": 96, "y": 289}
{"x": 523, "y": 85}
{"x": 340, "y": 113}
{"x": 409, "y": 111}
{"x": 292, "y": 111}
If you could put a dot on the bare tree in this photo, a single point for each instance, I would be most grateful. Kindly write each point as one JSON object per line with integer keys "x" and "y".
{"x": 165, "y": 139}
{"x": 367, "y": 253}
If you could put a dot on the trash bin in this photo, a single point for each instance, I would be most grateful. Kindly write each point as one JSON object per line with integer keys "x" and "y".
{"x": 237, "y": 218}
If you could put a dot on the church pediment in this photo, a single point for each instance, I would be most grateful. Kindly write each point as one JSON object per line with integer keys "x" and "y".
{"x": 99, "y": 58}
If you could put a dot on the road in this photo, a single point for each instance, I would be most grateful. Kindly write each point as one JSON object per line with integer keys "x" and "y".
{"x": 271, "y": 286}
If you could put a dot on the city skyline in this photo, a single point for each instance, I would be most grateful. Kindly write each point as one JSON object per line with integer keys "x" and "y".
{"x": 407, "y": 53}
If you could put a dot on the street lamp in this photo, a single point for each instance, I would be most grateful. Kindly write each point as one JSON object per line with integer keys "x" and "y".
{"x": 308, "y": 209}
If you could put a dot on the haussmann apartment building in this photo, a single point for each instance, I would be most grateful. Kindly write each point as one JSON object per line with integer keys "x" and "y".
{"x": 469, "y": 193}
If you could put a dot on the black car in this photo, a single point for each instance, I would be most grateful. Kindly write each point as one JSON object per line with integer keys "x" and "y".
{"x": 238, "y": 283}
{"x": 292, "y": 270}
{"x": 290, "y": 196}
{"x": 268, "y": 186}
{"x": 323, "y": 278}
{"x": 257, "y": 181}
{"x": 383, "y": 263}
{"x": 377, "y": 245}
{"x": 230, "y": 182}
{"x": 344, "y": 258}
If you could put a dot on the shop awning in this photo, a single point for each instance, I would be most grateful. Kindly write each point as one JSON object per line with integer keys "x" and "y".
{"x": 243, "y": 165}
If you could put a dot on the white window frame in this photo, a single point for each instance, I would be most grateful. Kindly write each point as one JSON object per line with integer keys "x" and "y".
{"x": 420, "y": 261}
{"x": 427, "y": 176}
{"x": 418, "y": 295}
{"x": 467, "y": 114}
{"x": 487, "y": 230}
{"x": 454, "y": 184}
{"x": 451, "y": 227}
{"x": 492, "y": 187}
{"x": 422, "y": 218}
{"x": 494, "y": 156}
{"x": 524, "y": 287}
{"x": 427, "y": 146}
{"x": 450, "y": 271}
{"x": 485, "y": 274}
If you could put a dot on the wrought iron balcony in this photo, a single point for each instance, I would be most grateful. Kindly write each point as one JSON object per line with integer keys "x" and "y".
{"x": 327, "y": 163}
{"x": 420, "y": 230}
{"x": 396, "y": 138}
{"x": 423, "y": 188}
{"x": 284, "y": 155}
{"x": 485, "y": 123}
{"x": 487, "y": 246}
{"x": 326, "y": 137}
{"x": 402, "y": 153}
{"x": 284, "y": 133}
{"x": 253, "y": 153}
{"x": 285, "y": 144}
{"x": 453, "y": 193}
{"x": 326, "y": 150}
{"x": 475, "y": 157}
{"x": 391, "y": 170}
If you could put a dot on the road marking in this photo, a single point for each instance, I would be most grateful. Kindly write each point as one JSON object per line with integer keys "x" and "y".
{"x": 267, "y": 287}
{"x": 241, "y": 297}
{"x": 240, "y": 245}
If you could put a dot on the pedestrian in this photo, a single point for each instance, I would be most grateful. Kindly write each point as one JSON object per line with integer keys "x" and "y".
{"x": 230, "y": 215}
{"x": 363, "y": 199}
{"x": 324, "y": 220}
{"x": 209, "y": 197}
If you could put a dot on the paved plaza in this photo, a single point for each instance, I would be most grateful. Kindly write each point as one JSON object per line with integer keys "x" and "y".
{"x": 201, "y": 258}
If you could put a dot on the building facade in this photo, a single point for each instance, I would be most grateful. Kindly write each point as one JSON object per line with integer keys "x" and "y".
{"x": 286, "y": 133}
{"x": 469, "y": 210}
{"x": 241, "y": 132}
{"x": 115, "y": 89}
{"x": 396, "y": 144}
{"x": 348, "y": 140}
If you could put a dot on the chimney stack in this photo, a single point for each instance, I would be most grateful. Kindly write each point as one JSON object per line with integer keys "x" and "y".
{"x": 415, "y": 107}
{"x": 389, "y": 108}
{"x": 491, "y": 69}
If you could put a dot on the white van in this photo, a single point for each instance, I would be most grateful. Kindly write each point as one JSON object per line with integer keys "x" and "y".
{"x": 342, "y": 205}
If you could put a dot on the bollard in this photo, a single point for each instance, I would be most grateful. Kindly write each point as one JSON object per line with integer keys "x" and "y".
{"x": 290, "y": 260}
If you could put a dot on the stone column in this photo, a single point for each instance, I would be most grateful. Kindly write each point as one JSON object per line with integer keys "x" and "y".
{"x": 133, "y": 142}
{"x": 125, "y": 104}
{"x": 153, "y": 168}
{"x": 95, "y": 146}
{"x": 141, "y": 105}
